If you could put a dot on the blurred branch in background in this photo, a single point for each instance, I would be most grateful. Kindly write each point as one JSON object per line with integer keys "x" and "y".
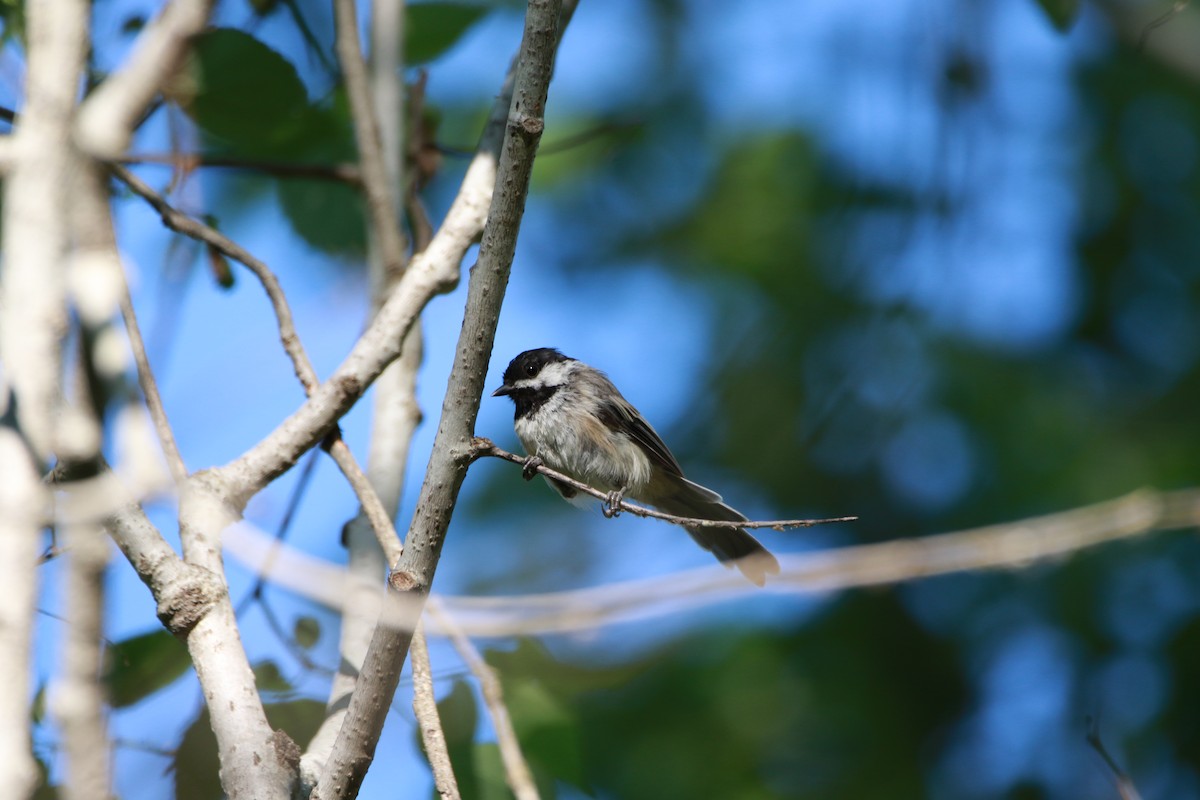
{"x": 1014, "y": 545}
{"x": 342, "y": 173}
{"x": 516, "y": 769}
{"x": 1124, "y": 784}
{"x": 1169, "y": 36}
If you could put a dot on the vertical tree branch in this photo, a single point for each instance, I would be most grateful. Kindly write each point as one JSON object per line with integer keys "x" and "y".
{"x": 452, "y": 452}
{"x": 24, "y": 503}
{"x": 32, "y": 285}
{"x": 381, "y": 206}
{"x": 516, "y": 769}
{"x": 377, "y": 106}
{"x": 256, "y": 762}
{"x": 77, "y": 697}
{"x": 425, "y": 710}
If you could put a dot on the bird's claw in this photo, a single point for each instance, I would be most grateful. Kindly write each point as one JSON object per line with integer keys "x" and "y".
{"x": 530, "y": 468}
{"x": 612, "y": 503}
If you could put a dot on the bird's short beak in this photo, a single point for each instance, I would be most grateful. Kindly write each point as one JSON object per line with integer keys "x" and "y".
{"x": 503, "y": 391}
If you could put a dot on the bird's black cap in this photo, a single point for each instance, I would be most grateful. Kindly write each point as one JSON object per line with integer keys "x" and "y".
{"x": 526, "y": 365}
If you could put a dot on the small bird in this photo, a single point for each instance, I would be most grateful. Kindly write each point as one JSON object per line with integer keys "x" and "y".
{"x": 571, "y": 417}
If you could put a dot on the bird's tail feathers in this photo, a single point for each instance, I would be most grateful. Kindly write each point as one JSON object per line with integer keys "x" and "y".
{"x": 731, "y": 546}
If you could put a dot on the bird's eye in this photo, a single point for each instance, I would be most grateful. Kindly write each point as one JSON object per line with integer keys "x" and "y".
{"x": 530, "y": 369}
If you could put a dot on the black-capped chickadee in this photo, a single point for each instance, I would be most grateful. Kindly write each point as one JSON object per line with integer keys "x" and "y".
{"x": 572, "y": 418}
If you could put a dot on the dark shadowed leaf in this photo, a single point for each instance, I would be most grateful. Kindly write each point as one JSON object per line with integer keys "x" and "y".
{"x": 326, "y": 214}
{"x": 1061, "y": 13}
{"x": 37, "y": 709}
{"x": 306, "y": 631}
{"x": 269, "y": 679}
{"x": 242, "y": 92}
{"x": 141, "y": 665}
{"x": 197, "y": 765}
{"x": 196, "y": 762}
{"x": 430, "y": 29}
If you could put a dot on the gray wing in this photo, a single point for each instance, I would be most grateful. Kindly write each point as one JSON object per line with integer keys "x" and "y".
{"x": 619, "y": 415}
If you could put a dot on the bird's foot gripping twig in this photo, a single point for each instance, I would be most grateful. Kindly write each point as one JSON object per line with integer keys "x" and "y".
{"x": 612, "y": 503}
{"x": 530, "y": 468}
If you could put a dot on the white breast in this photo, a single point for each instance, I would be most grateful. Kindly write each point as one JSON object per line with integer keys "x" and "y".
{"x": 579, "y": 445}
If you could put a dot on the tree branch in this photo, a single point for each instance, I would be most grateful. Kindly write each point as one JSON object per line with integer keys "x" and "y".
{"x": 77, "y": 697}
{"x": 35, "y": 247}
{"x": 341, "y": 173}
{"x": 451, "y": 455}
{"x": 1124, "y": 784}
{"x": 396, "y": 413}
{"x": 516, "y": 770}
{"x": 108, "y": 117}
{"x": 182, "y": 223}
{"x": 149, "y": 386}
{"x": 433, "y": 271}
{"x": 1013, "y": 545}
{"x": 381, "y": 201}
{"x": 257, "y": 763}
{"x": 426, "y": 712}
{"x": 485, "y": 447}
{"x": 24, "y": 507}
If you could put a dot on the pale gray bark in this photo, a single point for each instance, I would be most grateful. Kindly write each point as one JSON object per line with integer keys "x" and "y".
{"x": 24, "y": 509}
{"x": 108, "y": 117}
{"x": 452, "y": 452}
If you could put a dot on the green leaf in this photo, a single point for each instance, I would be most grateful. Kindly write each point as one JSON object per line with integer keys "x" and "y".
{"x": 299, "y": 719}
{"x": 306, "y": 631}
{"x": 459, "y": 713}
{"x": 141, "y": 665}
{"x": 430, "y": 29}
{"x": 197, "y": 765}
{"x": 327, "y": 215}
{"x": 242, "y": 92}
{"x": 492, "y": 781}
{"x": 548, "y": 732}
{"x": 12, "y": 17}
{"x": 269, "y": 679}
{"x": 1061, "y": 13}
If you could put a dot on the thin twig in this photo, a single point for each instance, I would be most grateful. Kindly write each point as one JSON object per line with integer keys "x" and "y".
{"x": 485, "y": 447}
{"x": 149, "y": 386}
{"x": 1124, "y": 784}
{"x": 372, "y": 505}
{"x": 281, "y": 531}
{"x": 342, "y": 173}
{"x": 182, "y": 223}
{"x": 516, "y": 769}
{"x": 1158, "y": 22}
{"x": 425, "y": 709}
{"x": 381, "y": 202}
